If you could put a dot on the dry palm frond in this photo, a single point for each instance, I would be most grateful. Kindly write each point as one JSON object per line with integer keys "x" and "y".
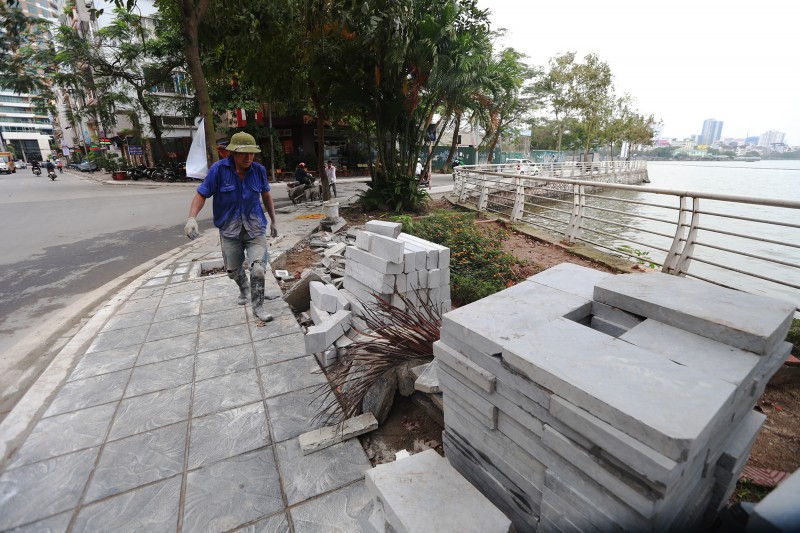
{"x": 395, "y": 336}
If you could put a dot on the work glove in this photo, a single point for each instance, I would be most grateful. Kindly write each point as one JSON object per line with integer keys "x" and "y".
{"x": 192, "y": 230}
{"x": 273, "y": 231}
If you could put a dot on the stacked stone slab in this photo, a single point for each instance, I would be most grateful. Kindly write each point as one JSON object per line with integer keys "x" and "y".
{"x": 641, "y": 420}
{"x": 388, "y": 263}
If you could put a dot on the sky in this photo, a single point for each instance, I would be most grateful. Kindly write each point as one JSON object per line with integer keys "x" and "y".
{"x": 683, "y": 62}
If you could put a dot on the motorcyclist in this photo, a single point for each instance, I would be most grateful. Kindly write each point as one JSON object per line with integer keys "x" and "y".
{"x": 35, "y": 166}
{"x": 50, "y": 167}
{"x": 302, "y": 177}
{"x": 60, "y": 166}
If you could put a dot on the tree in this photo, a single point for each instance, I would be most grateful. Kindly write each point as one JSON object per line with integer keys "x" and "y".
{"x": 592, "y": 95}
{"x": 121, "y": 55}
{"x": 556, "y": 88}
{"x": 21, "y": 37}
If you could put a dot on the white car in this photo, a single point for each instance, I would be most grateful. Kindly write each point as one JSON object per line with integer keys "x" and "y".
{"x": 521, "y": 166}
{"x": 20, "y": 164}
{"x": 4, "y": 167}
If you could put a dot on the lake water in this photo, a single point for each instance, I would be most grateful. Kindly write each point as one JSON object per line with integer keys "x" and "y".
{"x": 766, "y": 179}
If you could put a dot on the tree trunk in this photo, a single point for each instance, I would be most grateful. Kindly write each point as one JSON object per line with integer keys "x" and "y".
{"x": 454, "y": 144}
{"x": 157, "y": 133}
{"x": 192, "y": 12}
{"x": 495, "y": 139}
{"x": 323, "y": 177}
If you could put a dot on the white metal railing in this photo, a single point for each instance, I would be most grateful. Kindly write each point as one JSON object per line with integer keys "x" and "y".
{"x": 743, "y": 242}
{"x": 567, "y": 169}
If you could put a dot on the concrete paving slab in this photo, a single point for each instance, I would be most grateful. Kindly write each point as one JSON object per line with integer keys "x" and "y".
{"x": 138, "y": 460}
{"x": 167, "y": 349}
{"x": 224, "y": 361}
{"x": 327, "y": 436}
{"x": 293, "y": 413}
{"x": 151, "y": 508}
{"x": 151, "y": 411}
{"x": 571, "y": 278}
{"x": 341, "y": 510}
{"x": 452, "y": 358}
{"x": 43, "y": 489}
{"x": 100, "y": 363}
{"x": 89, "y": 392}
{"x": 277, "y": 349}
{"x": 233, "y": 492}
{"x": 226, "y": 434}
{"x": 306, "y": 476}
{"x": 224, "y": 392}
{"x": 119, "y": 338}
{"x": 160, "y": 376}
{"x": 291, "y": 375}
{"x": 280, "y": 325}
{"x": 747, "y": 321}
{"x": 223, "y": 338}
{"x": 224, "y": 318}
{"x": 62, "y": 434}
{"x": 173, "y": 328}
{"x": 277, "y": 523}
{"x": 128, "y": 320}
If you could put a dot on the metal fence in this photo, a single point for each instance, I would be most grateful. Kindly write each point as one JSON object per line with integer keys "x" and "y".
{"x": 746, "y": 243}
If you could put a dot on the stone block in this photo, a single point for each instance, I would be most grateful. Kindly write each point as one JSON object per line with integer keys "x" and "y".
{"x": 387, "y": 229}
{"x": 778, "y": 511}
{"x": 622, "y": 318}
{"x": 387, "y": 248}
{"x": 638, "y": 457}
{"x": 737, "y": 449}
{"x": 457, "y": 392}
{"x": 318, "y": 315}
{"x": 330, "y": 435}
{"x": 406, "y": 378}
{"x": 669, "y": 407}
{"x": 364, "y": 240}
{"x": 426, "y": 258}
{"x": 319, "y": 337}
{"x": 373, "y": 262}
{"x": 376, "y": 281}
{"x": 742, "y": 320}
{"x": 298, "y": 296}
{"x": 423, "y": 493}
{"x": 480, "y": 377}
{"x": 428, "y": 381}
{"x": 570, "y": 278}
{"x": 571, "y": 495}
{"x": 335, "y": 249}
{"x": 330, "y": 300}
{"x": 434, "y": 278}
{"x": 355, "y": 305}
{"x": 316, "y": 289}
{"x": 379, "y": 398}
{"x": 731, "y": 364}
{"x": 607, "y": 327}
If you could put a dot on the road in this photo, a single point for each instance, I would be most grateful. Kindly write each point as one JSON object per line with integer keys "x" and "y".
{"x": 68, "y": 244}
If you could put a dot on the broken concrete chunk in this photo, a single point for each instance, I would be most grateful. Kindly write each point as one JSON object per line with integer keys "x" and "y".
{"x": 380, "y": 396}
{"x": 330, "y": 435}
{"x": 428, "y": 382}
{"x": 299, "y": 296}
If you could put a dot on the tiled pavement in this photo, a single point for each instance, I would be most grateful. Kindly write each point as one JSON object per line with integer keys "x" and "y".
{"x": 181, "y": 414}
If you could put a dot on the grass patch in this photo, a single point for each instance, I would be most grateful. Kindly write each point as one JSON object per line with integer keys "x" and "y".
{"x": 794, "y": 336}
{"x": 478, "y": 265}
{"x": 748, "y": 492}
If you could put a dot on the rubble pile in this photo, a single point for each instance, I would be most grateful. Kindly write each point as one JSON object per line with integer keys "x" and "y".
{"x": 578, "y": 400}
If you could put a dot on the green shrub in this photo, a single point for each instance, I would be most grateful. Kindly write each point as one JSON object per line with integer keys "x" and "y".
{"x": 478, "y": 265}
{"x": 794, "y": 336}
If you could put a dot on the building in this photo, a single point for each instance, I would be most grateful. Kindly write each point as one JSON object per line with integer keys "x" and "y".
{"x": 752, "y": 141}
{"x": 22, "y": 127}
{"x": 712, "y": 131}
{"x": 768, "y": 138}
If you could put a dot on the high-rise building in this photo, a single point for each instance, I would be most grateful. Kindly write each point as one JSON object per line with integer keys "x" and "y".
{"x": 751, "y": 140}
{"x": 712, "y": 131}
{"x": 768, "y": 138}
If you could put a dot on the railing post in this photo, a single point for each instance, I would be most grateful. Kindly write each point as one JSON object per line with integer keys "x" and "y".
{"x": 671, "y": 261}
{"x": 483, "y": 200}
{"x": 519, "y": 200}
{"x": 578, "y": 209}
{"x": 691, "y": 239}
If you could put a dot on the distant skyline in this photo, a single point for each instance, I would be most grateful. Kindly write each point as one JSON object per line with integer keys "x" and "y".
{"x": 683, "y": 62}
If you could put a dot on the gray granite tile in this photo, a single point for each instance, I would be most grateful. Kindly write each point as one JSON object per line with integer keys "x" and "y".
{"x": 153, "y": 509}
{"x": 222, "y": 287}
{"x": 156, "y": 282}
{"x": 128, "y": 320}
{"x": 178, "y": 311}
{"x": 119, "y": 338}
{"x": 182, "y": 298}
{"x": 173, "y": 328}
{"x": 341, "y": 511}
{"x": 274, "y": 524}
{"x": 278, "y": 307}
{"x": 225, "y": 392}
{"x": 306, "y": 476}
{"x": 224, "y": 361}
{"x": 221, "y": 319}
{"x": 147, "y": 293}
{"x": 53, "y": 524}
{"x": 160, "y": 376}
{"x": 279, "y": 349}
{"x": 132, "y": 306}
{"x": 43, "y": 489}
{"x": 281, "y": 325}
{"x": 291, "y": 414}
{"x": 151, "y": 411}
{"x": 219, "y": 304}
{"x": 233, "y": 492}
{"x": 228, "y": 433}
{"x": 166, "y": 349}
{"x": 89, "y": 392}
{"x": 223, "y": 338}
{"x": 138, "y": 460}
{"x": 97, "y": 363}
{"x": 184, "y": 287}
{"x": 288, "y": 376}
{"x": 66, "y": 433}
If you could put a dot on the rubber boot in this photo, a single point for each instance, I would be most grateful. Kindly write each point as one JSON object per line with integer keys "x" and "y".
{"x": 244, "y": 286}
{"x": 257, "y": 273}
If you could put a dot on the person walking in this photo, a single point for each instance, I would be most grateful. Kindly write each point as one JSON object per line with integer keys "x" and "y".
{"x": 330, "y": 171}
{"x": 238, "y": 185}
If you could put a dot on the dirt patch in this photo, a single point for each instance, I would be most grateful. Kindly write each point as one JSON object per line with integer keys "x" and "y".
{"x": 777, "y": 446}
{"x": 299, "y": 258}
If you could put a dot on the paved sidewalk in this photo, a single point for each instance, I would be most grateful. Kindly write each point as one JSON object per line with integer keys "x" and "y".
{"x": 175, "y": 409}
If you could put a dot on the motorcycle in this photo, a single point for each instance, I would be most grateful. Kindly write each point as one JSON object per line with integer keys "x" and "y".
{"x": 51, "y": 174}
{"x": 37, "y": 171}
{"x": 456, "y": 163}
{"x": 424, "y": 180}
